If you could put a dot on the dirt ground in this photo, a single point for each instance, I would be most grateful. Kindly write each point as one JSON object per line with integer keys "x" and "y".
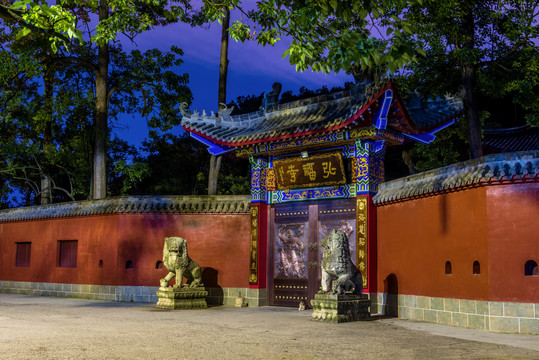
{"x": 56, "y": 328}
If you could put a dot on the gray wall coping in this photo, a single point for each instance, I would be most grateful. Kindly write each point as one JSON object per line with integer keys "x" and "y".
{"x": 132, "y": 204}
{"x": 488, "y": 169}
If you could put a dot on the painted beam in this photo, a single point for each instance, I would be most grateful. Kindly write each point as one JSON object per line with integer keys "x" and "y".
{"x": 428, "y": 137}
{"x": 380, "y": 119}
{"x": 213, "y": 149}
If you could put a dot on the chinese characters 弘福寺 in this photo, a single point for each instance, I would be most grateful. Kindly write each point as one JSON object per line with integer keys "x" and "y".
{"x": 308, "y": 170}
{"x": 292, "y": 172}
{"x": 328, "y": 170}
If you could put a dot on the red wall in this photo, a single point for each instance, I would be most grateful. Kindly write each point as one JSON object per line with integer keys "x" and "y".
{"x": 495, "y": 225}
{"x": 513, "y": 231}
{"x": 219, "y": 243}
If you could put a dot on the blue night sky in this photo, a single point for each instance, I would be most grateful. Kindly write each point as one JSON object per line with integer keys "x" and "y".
{"x": 252, "y": 70}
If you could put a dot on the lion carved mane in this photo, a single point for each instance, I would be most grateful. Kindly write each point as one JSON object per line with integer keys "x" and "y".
{"x": 179, "y": 264}
{"x": 337, "y": 265}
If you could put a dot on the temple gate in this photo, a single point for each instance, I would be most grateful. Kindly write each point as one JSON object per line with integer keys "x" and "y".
{"x": 315, "y": 165}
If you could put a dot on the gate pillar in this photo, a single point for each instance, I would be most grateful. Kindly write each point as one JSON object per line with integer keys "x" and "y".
{"x": 368, "y": 174}
{"x": 259, "y": 223}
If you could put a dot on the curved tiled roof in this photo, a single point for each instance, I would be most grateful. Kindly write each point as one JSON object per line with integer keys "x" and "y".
{"x": 132, "y": 204}
{"x": 429, "y": 113}
{"x": 492, "y": 168}
{"x": 318, "y": 114}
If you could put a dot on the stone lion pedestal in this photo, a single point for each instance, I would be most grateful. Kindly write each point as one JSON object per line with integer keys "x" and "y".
{"x": 338, "y": 308}
{"x": 191, "y": 295}
{"x": 182, "y": 298}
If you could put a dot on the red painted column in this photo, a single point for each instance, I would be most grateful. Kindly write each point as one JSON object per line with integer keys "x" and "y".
{"x": 373, "y": 247}
{"x": 262, "y": 245}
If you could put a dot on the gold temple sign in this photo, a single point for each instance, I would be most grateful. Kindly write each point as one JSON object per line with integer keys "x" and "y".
{"x": 316, "y": 170}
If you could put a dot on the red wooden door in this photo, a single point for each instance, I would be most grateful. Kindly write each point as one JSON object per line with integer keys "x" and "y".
{"x": 295, "y": 254}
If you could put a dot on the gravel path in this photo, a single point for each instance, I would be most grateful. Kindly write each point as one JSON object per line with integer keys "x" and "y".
{"x": 56, "y": 328}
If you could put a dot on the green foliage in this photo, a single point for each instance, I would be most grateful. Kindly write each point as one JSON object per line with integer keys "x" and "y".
{"x": 126, "y": 173}
{"x": 329, "y": 35}
{"x": 230, "y": 184}
{"x": 179, "y": 165}
{"x": 141, "y": 84}
{"x": 448, "y": 148}
{"x": 175, "y": 166}
{"x": 513, "y": 87}
{"x": 59, "y": 22}
{"x": 55, "y": 21}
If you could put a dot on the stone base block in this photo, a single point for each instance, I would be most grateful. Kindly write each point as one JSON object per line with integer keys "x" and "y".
{"x": 174, "y": 298}
{"x": 340, "y": 308}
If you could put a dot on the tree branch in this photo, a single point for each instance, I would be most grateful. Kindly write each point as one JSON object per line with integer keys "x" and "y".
{"x": 56, "y": 60}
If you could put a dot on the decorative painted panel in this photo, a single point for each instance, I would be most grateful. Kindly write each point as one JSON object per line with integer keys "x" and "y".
{"x": 258, "y": 179}
{"x": 270, "y": 180}
{"x": 371, "y": 133}
{"x": 245, "y": 151}
{"x": 365, "y": 132}
{"x": 392, "y": 136}
{"x": 308, "y": 141}
{"x": 369, "y": 171}
{"x": 291, "y": 250}
{"x": 342, "y": 192}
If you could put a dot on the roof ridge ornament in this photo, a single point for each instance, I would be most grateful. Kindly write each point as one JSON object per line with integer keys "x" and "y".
{"x": 184, "y": 109}
{"x": 271, "y": 97}
{"x": 225, "y": 111}
{"x": 204, "y": 116}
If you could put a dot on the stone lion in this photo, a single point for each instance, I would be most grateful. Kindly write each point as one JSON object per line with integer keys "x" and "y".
{"x": 337, "y": 265}
{"x": 179, "y": 264}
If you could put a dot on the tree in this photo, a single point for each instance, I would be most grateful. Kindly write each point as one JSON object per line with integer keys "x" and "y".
{"x": 471, "y": 39}
{"x": 215, "y": 161}
{"x": 114, "y": 17}
{"x": 140, "y": 83}
{"x": 370, "y": 37}
{"x": 187, "y": 157}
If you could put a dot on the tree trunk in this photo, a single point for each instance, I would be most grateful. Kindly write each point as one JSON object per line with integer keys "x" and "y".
{"x": 101, "y": 115}
{"x": 215, "y": 166}
{"x": 46, "y": 186}
{"x": 471, "y": 112}
{"x": 467, "y": 71}
{"x": 215, "y": 161}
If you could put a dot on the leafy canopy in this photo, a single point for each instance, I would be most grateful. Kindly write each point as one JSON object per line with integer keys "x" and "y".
{"x": 330, "y": 36}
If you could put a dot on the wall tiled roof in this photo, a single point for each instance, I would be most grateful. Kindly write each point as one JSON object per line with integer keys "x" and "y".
{"x": 509, "y": 140}
{"x": 317, "y": 114}
{"x": 132, "y": 204}
{"x": 429, "y": 113}
{"x": 491, "y": 168}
